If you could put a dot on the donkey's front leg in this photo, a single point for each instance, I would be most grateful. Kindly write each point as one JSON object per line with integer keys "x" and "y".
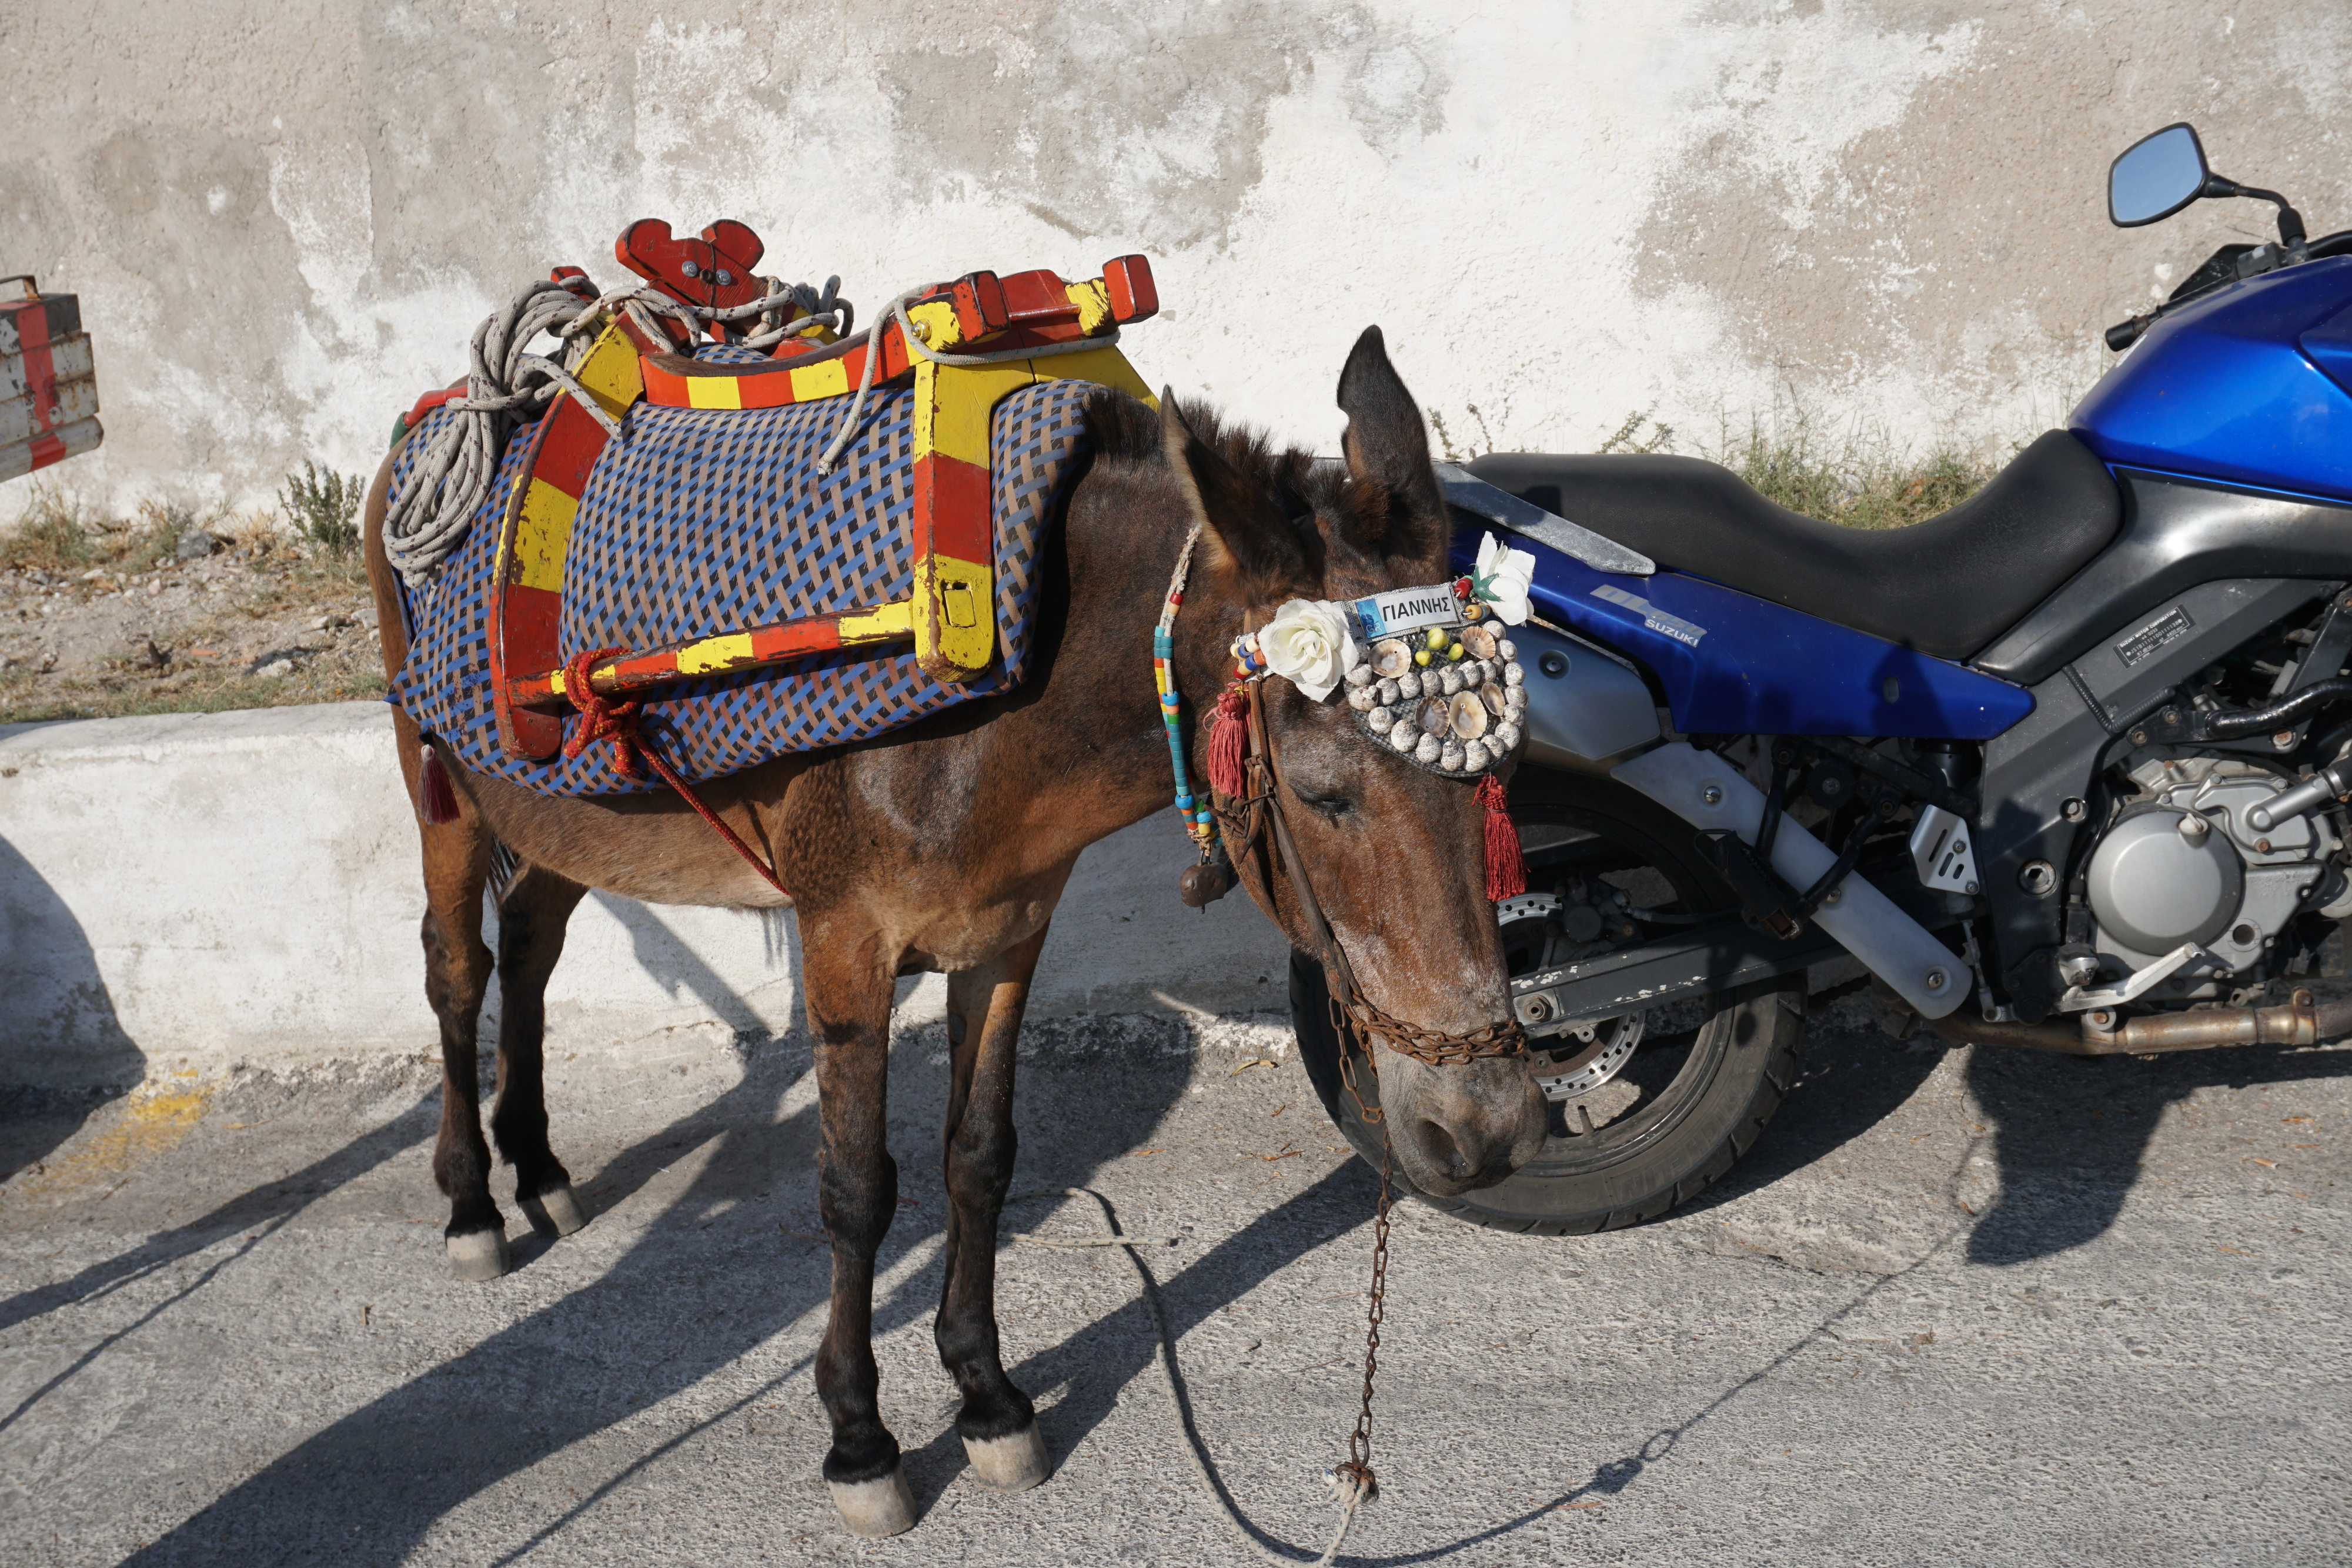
{"x": 998, "y": 1424}
{"x": 532, "y": 914}
{"x": 849, "y": 990}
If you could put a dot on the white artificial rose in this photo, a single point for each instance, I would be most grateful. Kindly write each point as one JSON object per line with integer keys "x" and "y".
{"x": 1307, "y": 645}
{"x": 1501, "y": 579}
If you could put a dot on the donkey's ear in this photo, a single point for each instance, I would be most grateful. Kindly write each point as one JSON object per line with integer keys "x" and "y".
{"x": 1394, "y": 507}
{"x": 1246, "y": 542}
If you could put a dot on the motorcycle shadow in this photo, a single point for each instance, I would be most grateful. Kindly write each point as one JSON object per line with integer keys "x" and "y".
{"x": 2071, "y": 1135}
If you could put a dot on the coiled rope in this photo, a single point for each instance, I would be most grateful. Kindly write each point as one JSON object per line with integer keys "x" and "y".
{"x": 1349, "y": 1493}
{"x": 505, "y": 383}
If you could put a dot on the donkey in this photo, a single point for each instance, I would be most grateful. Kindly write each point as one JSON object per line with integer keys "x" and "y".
{"x": 945, "y": 846}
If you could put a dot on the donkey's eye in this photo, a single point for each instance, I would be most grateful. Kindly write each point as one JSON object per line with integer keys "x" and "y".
{"x": 1333, "y": 806}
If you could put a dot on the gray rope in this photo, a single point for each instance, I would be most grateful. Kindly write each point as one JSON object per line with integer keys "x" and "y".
{"x": 427, "y": 521}
{"x": 896, "y": 310}
{"x": 1348, "y": 1495}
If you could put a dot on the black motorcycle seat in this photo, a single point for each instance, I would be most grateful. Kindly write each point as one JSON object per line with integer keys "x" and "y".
{"x": 1947, "y": 586}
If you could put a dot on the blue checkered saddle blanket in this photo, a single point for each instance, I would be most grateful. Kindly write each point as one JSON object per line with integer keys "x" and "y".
{"x": 702, "y": 521}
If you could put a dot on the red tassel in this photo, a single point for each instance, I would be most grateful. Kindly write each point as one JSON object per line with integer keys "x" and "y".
{"x": 1229, "y": 743}
{"x": 436, "y": 801}
{"x": 1507, "y": 868}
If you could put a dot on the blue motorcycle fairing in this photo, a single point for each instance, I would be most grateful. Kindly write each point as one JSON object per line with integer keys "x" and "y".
{"x": 1732, "y": 664}
{"x": 2252, "y": 384}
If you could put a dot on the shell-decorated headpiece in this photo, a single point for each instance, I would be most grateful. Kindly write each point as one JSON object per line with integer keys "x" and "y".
{"x": 1431, "y": 671}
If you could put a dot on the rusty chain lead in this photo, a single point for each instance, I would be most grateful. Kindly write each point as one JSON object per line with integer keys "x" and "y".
{"x": 1359, "y": 1464}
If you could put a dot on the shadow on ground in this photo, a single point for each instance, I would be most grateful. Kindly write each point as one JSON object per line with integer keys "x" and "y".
{"x": 57, "y": 1027}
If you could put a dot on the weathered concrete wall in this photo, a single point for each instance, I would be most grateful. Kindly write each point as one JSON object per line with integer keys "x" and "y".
{"x": 198, "y": 889}
{"x": 285, "y": 218}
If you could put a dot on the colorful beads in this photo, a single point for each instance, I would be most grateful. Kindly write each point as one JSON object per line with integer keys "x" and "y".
{"x": 1199, "y": 817}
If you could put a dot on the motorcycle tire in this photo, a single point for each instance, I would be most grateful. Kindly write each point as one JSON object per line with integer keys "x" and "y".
{"x": 1693, "y": 1116}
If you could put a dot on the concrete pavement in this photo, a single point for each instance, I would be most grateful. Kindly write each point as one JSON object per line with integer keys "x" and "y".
{"x": 1957, "y": 1307}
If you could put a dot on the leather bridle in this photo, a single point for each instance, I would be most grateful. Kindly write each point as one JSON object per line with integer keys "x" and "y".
{"x": 1352, "y": 1013}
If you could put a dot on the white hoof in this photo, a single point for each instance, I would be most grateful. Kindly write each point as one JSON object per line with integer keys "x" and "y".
{"x": 1015, "y": 1463}
{"x": 875, "y": 1508}
{"x": 555, "y": 1209}
{"x": 479, "y": 1255}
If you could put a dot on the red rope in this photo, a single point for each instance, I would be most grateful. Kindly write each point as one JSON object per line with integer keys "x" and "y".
{"x": 601, "y": 719}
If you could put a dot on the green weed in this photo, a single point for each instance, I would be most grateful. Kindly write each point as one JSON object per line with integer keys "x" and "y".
{"x": 324, "y": 507}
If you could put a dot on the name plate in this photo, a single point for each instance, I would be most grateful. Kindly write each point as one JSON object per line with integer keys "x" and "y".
{"x": 1405, "y": 610}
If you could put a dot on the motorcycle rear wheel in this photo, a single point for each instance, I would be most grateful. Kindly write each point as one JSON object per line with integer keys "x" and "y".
{"x": 1701, "y": 1094}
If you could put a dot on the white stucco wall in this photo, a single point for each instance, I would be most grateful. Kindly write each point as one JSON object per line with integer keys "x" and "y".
{"x": 200, "y": 889}
{"x": 284, "y": 219}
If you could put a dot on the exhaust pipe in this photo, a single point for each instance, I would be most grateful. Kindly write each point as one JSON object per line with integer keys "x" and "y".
{"x": 2300, "y": 1022}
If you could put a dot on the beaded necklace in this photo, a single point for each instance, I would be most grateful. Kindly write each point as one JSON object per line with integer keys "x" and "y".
{"x": 1200, "y": 819}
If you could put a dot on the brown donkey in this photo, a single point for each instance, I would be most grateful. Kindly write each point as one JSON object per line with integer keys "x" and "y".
{"x": 945, "y": 845}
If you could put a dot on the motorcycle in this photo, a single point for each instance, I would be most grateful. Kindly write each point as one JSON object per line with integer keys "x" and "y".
{"x": 2065, "y": 767}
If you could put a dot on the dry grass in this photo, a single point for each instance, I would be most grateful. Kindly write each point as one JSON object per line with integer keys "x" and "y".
{"x": 199, "y": 691}
{"x": 1858, "y": 475}
{"x": 1858, "y": 478}
{"x": 99, "y": 618}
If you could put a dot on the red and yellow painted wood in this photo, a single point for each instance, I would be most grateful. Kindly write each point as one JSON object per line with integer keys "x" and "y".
{"x": 950, "y": 616}
{"x": 535, "y": 531}
{"x": 48, "y": 384}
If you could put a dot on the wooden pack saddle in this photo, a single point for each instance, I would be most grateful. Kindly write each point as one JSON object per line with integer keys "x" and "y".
{"x": 636, "y": 355}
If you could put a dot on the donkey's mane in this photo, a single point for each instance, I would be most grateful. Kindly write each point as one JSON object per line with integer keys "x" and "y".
{"x": 1126, "y": 433}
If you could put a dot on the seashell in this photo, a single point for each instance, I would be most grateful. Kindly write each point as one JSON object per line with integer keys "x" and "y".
{"x": 1428, "y": 750}
{"x": 1437, "y": 639}
{"x": 1466, "y": 716}
{"x": 1361, "y": 675}
{"x": 1493, "y": 697}
{"x": 1506, "y": 648}
{"x": 1513, "y": 675}
{"x": 1362, "y": 698}
{"x": 1474, "y": 755}
{"x": 1507, "y": 738}
{"x": 1390, "y": 657}
{"x": 1451, "y": 757}
{"x": 1515, "y": 700}
{"x": 1435, "y": 717}
{"x": 1409, "y": 683}
{"x": 1388, "y": 690}
{"x": 1480, "y": 640}
{"x": 1474, "y": 673}
{"x": 1449, "y": 680}
{"x": 1380, "y": 718}
{"x": 1404, "y": 735}
{"x": 1420, "y": 657}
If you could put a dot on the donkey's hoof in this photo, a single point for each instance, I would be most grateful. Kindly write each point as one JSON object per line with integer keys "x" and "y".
{"x": 479, "y": 1255}
{"x": 876, "y": 1508}
{"x": 555, "y": 1211}
{"x": 1013, "y": 1463}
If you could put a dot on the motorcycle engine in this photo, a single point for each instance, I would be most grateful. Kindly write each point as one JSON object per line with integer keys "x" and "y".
{"x": 2180, "y": 864}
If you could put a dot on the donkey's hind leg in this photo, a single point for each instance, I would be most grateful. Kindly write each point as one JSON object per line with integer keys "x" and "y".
{"x": 456, "y": 974}
{"x": 998, "y": 1424}
{"x": 533, "y": 910}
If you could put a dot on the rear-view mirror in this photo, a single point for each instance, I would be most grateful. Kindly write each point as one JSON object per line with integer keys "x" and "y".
{"x": 2156, "y": 177}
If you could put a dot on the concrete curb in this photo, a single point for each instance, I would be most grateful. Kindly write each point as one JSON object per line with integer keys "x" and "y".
{"x": 192, "y": 890}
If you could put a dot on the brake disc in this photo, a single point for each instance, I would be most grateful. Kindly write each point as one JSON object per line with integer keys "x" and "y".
{"x": 1577, "y": 1056}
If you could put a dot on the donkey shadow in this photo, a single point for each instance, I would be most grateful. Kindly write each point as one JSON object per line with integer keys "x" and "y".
{"x": 723, "y": 1269}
